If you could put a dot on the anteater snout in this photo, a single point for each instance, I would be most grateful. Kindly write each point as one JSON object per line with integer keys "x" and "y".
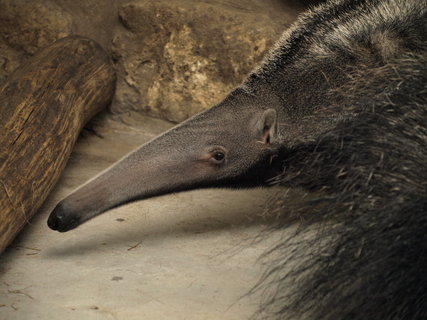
{"x": 62, "y": 218}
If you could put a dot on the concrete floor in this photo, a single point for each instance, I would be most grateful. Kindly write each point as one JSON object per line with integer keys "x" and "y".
{"x": 182, "y": 256}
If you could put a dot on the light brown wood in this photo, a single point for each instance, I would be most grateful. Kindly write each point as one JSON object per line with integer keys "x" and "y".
{"x": 43, "y": 107}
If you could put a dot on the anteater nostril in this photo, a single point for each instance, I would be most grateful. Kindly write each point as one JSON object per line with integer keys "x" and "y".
{"x": 52, "y": 222}
{"x": 56, "y": 218}
{"x": 59, "y": 219}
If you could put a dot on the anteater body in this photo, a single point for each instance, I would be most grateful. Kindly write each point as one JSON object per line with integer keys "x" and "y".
{"x": 339, "y": 106}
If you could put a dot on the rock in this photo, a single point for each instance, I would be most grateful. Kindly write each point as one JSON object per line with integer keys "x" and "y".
{"x": 26, "y": 27}
{"x": 10, "y": 59}
{"x": 173, "y": 58}
{"x": 32, "y": 25}
{"x": 177, "y": 58}
{"x": 93, "y": 19}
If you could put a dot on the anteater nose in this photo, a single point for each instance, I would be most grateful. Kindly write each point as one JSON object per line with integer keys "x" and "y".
{"x": 62, "y": 219}
{"x": 54, "y": 221}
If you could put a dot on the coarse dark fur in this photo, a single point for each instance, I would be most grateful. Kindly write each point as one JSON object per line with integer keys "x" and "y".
{"x": 361, "y": 250}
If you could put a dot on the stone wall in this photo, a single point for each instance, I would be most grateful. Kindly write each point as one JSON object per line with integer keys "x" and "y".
{"x": 173, "y": 58}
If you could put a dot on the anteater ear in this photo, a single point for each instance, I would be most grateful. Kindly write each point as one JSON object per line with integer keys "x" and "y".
{"x": 266, "y": 127}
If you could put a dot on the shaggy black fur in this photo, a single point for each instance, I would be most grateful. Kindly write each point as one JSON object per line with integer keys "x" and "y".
{"x": 361, "y": 252}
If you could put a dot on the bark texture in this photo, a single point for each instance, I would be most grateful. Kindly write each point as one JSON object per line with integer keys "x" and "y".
{"x": 43, "y": 106}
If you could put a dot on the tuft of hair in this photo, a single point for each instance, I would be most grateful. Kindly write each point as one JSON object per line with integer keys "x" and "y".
{"x": 360, "y": 251}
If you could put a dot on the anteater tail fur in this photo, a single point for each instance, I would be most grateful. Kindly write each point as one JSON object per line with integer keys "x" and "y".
{"x": 360, "y": 251}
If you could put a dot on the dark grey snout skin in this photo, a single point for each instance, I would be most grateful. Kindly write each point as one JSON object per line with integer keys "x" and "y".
{"x": 62, "y": 219}
{"x": 203, "y": 152}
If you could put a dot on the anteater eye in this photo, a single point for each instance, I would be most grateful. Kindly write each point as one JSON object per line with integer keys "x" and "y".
{"x": 218, "y": 157}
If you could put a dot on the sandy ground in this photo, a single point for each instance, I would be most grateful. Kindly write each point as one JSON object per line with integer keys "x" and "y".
{"x": 182, "y": 256}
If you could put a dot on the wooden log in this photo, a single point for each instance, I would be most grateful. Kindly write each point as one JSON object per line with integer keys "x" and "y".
{"x": 43, "y": 106}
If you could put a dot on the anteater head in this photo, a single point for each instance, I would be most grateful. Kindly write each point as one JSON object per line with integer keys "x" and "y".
{"x": 233, "y": 144}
